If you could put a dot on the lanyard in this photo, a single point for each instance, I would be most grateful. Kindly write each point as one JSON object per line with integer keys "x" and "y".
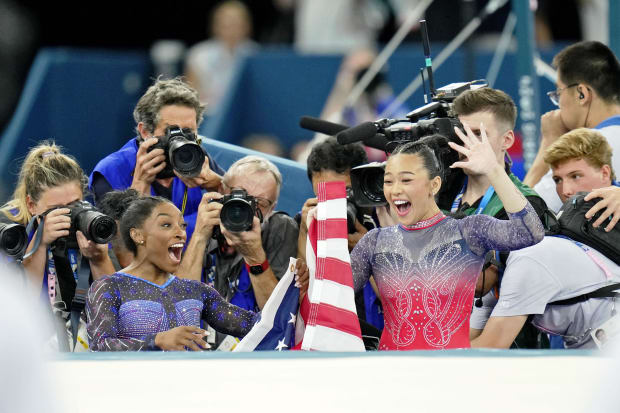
{"x": 483, "y": 203}
{"x": 590, "y": 254}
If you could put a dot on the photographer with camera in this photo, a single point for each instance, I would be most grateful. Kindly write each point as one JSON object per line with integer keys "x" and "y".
{"x": 548, "y": 283}
{"x": 587, "y": 97}
{"x": 331, "y": 161}
{"x": 165, "y": 158}
{"x": 49, "y": 191}
{"x": 241, "y": 241}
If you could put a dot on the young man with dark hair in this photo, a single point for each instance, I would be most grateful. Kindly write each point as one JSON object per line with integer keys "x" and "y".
{"x": 588, "y": 96}
{"x": 557, "y": 268}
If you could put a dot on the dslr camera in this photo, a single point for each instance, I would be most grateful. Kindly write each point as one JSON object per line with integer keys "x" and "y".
{"x": 182, "y": 151}
{"x": 13, "y": 240}
{"x": 238, "y": 211}
{"x": 97, "y": 227}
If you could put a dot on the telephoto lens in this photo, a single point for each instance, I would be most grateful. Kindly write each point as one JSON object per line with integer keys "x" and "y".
{"x": 94, "y": 225}
{"x": 186, "y": 157}
{"x": 13, "y": 239}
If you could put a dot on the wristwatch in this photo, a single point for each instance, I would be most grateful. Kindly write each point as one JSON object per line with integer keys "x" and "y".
{"x": 257, "y": 269}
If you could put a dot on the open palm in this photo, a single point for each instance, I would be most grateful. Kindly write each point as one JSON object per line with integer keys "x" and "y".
{"x": 480, "y": 159}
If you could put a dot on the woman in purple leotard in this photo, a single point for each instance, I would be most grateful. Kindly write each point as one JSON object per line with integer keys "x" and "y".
{"x": 146, "y": 307}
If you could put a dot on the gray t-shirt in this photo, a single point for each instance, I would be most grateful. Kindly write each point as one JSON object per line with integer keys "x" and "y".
{"x": 557, "y": 269}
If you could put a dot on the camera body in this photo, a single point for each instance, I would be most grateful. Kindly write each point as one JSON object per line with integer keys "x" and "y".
{"x": 357, "y": 212}
{"x": 238, "y": 211}
{"x": 13, "y": 239}
{"x": 97, "y": 227}
{"x": 182, "y": 151}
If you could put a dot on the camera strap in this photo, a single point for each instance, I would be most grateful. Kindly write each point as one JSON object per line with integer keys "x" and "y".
{"x": 483, "y": 203}
{"x": 79, "y": 298}
{"x": 34, "y": 226}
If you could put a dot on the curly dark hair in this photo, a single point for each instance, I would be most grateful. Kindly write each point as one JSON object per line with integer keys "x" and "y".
{"x": 329, "y": 155}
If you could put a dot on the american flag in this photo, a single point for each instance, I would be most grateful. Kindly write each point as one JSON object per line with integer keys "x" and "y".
{"x": 326, "y": 320}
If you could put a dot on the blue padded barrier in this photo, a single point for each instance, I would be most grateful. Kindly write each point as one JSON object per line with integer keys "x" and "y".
{"x": 82, "y": 99}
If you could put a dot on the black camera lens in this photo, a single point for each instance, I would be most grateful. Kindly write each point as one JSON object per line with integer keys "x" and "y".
{"x": 186, "y": 157}
{"x": 96, "y": 226}
{"x": 237, "y": 215}
{"x": 371, "y": 185}
{"x": 13, "y": 239}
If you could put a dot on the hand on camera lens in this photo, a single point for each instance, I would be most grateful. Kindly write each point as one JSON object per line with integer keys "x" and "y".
{"x": 148, "y": 165}
{"x": 57, "y": 224}
{"x": 207, "y": 179}
{"x": 247, "y": 243}
{"x": 182, "y": 338}
{"x": 90, "y": 249}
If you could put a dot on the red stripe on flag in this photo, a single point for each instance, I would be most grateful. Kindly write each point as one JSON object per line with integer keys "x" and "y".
{"x": 331, "y": 190}
{"x": 338, "y": 319}
{"x": 337, "y": 228}
{"x": 333, "y": 269}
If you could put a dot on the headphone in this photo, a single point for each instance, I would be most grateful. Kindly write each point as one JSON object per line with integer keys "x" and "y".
{"x": 581, "y": 95}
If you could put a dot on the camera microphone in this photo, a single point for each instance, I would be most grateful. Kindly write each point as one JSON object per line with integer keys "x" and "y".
{"x": 321, "y": 126}
{"x": 378, "y": 142}
{"x": 366, "y": 130}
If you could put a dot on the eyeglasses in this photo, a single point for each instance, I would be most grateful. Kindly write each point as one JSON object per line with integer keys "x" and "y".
{"x": 263, "y": 202}
{"x": 554, "y": 95}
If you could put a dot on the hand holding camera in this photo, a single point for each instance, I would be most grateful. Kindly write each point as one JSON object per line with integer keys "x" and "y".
{"x": 149, "y": 163}
{"x": 208, "y": 214}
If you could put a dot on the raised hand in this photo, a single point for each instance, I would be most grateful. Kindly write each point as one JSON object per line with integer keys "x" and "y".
{"x": 181, "y": 338}
{"x": 480, "y": 159}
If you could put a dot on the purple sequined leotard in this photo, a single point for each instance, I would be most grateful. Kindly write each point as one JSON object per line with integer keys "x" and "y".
{"x": 125, "y": 312}
{"x": 426, "y": 274}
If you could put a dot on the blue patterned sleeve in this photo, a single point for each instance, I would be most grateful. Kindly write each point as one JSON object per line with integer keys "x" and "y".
{"x": 361, "y": 259}
{"x": 484, "y": 233}
{"x": 225, "y": 317}
{"x": 102, "y": 317}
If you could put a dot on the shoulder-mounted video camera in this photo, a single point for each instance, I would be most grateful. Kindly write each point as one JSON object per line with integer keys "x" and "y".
{"x": 436, "y": 117}
{"x": 97, "y": 227}
{"x": 182, "y": 151}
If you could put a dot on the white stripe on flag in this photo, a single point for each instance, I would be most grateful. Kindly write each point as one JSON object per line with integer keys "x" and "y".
{"x": 334, "y": 248}
{"x": 265, "y": 324}
{"x": 329, "y": 339}
{"x": 334, "y": 294}
{"x": 334, "y": 208}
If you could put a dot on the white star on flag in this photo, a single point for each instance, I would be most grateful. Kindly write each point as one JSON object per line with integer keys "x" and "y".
{"x": 293, "y": 318}
{"x": 281, "y": 344}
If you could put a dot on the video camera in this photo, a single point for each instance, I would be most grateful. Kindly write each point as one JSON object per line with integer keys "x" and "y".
{"x": 97, "y": 227}
{"x": 437, "y": 117}
{"x": 182, "y": 151}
